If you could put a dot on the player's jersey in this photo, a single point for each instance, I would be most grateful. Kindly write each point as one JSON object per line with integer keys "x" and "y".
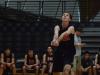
{"x": 31, "y": 61}
{"x": 49, "y": 58}
{"x": 7, "y": 59}
{"x": 66, "y": 45}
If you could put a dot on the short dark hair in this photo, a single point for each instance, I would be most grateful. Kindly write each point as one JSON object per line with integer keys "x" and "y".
{"x": 79, "y": 29}
{"x": 7, "y": 48}
{"x": 49, "y": 46}
{"x": 86, "y": 52}
{"x": 30, "y": 50}
{"x": 69, "y": 14}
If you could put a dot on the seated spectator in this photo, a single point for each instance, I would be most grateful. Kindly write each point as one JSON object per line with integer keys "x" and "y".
{"x": 86, "y": 64}
{"x": 7, "y": 61}
{"x": 96, "y": 63}
{"x": 31, "y": 62}
{"x": 47, "y": 61}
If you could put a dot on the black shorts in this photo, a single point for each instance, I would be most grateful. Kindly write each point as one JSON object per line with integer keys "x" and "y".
{"x": 62, "y": 59}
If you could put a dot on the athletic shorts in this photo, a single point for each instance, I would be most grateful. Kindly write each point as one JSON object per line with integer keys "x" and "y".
{"x": 62, "y": 59}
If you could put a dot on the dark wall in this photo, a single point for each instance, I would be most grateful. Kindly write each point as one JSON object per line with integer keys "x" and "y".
{"x": 23, "y": 36}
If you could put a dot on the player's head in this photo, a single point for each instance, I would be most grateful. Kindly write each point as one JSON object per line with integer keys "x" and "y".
{"x": 7, "y": 50}
{"x": 49, "y": 49}
{"x": 99, "y": 51}
{"x": 30, "y": 52}
{"x": 86, "y": 55}
{"x": 66, "y": 17}
{"x": 78, "y": 31}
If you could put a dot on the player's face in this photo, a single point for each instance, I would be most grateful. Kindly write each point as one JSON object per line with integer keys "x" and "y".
{"x": 99, "y": 52}
{"x": 7, "y": 51}
{"x": 66, "y": 17}
{"x": 49, "y": 49}
{"x": 30, "y": 53}
{"x": 86, "y": 56}
{"x": 79, "y": 33}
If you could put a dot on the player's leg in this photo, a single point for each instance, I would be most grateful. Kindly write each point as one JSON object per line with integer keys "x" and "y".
{"x": 68, "y": 60}
{"x": 24, "y": 70}
{"x": 43, "y": 69}
{"x": 61, "y": 73}
{"x": 13, "y": 68}
{"x": 50, "y": 69}
{"x": 37, "y": 70}
{"x": 90, "y": 72}
{"x": 1, "y": 70}
{"x": 66, "y": 69}
{"x": 95, "y": 70}
{"x": 3, "y": 67}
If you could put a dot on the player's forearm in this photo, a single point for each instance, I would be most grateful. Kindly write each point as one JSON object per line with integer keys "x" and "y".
{"x": 35, "y": 65}
{"x": 88, "y": 67}
{"x": 61, "y": 36}
{"x": 82, "y": 67}
{"x": 44, "y": 63}
{"x": 95, "y": 62}
{"x": 25, "y": 64}
{"x": 4, "y": 63}
{"x": 55, "y": 36}
{"x": 12, "y": 63}
{"x": 75, "y": 44}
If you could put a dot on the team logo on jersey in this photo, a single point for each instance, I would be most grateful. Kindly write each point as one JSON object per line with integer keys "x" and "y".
{"x": 50, "y": 58}
{"x": 31, "y": 61}
{"x": 66, "y": 38}
{"x": 8, "y": 60}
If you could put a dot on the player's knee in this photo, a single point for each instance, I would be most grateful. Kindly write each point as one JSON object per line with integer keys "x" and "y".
{"x": 2, "y": 66}
{"x": 13, "y": 66}
{"x": 67, "y": 68}
{"x": 24, "y": 67}
{"x": 51, "y": 65}
{"x": 37, "y": 67}
{"x": 94, "y": 67}
{"x": 90, "y": 70}
{"x": 44, "y": 66}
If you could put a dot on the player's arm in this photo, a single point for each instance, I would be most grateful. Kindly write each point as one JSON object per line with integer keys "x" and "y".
{"x": 25, "y": 60}
{"x": 90, "y": 64}
{"x": 66, "y": 33}
{"x": 89, "y": 67}
{"x": 95, "y": 61}
{"x": 56, "y": 34}
{"x": 44, "y": 59}
{"x": 13, "y": 59}
{"x": 2, "y": 59}
{"x": 37, "y": 61}
{"x": 76, "y": 44}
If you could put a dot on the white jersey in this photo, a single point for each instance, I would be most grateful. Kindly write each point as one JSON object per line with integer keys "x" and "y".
{"x": 77, "y": 39}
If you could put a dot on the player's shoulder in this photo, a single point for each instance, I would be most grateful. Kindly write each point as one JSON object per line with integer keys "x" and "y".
{"x": 26, "y": 55}
{"x": 96, "y": 55}
{"x": 57, "y": 26}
